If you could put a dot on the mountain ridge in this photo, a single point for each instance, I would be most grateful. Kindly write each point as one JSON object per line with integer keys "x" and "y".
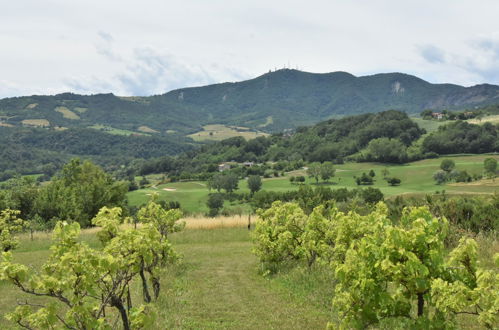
{"x": 289, "y": 97}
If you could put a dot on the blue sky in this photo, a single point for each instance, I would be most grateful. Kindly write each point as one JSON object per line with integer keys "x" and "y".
{"x": 150, "y": 47}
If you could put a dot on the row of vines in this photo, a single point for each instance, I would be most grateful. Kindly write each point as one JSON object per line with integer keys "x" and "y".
{"x": 80, "y": 287}
{"x": 386, "y": 274}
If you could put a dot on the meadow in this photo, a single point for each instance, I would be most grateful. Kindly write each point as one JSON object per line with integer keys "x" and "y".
{"x": 219, "y": 132}
{"x": 417, "y": 179}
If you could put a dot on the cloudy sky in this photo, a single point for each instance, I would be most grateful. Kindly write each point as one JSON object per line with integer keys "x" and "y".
{"x": 150, "y": 47}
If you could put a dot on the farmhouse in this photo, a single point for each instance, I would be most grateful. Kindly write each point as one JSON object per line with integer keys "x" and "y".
{"x": 437, "y": 115}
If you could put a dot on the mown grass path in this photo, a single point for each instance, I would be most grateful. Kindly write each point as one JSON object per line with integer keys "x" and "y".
{"x": 218, "y": 287}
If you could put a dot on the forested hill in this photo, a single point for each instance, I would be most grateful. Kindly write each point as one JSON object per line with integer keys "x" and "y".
{"x": 272, "y": 102}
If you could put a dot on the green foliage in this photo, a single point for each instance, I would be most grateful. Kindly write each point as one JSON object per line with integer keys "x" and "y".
{"x": 386, "y": 150}
{"x": 10, "y": 224}
{"x": 78, "y": 192}
{"x": 447, "y": 165}
{"x": 327, "y": 171}
{"x": 215, "y": 202}
{"x": 85, "y": 281}
{"x": 462, "y": 137}
{"x": 386, "y": 273}
{"x": 254, "y": 183}
{"x": 277, "y": 234}
{"x": 226, "y": 181}
{"x": 393, "y": 181}
{"x": 165, "y": 221}
{"x": 471, "y": 290}
{"x": 314, "y": 171}
{"x": 364, "y": 179}
{"x": 490, "y": 167}
{"x": 440, "y": 176}
{"x": 109, "y": 219}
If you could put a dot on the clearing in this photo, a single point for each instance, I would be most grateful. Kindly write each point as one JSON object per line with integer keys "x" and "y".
{"x": 219, "y": 132}
{"x": 66, "y": 113}
{"x": 36, "y": 122}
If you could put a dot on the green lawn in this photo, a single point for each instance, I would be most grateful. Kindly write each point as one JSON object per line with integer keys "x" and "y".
{"x": 416, "y": 179}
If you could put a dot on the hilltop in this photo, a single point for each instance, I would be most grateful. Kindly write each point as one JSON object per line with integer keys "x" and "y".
{"x": 271, "y": 102}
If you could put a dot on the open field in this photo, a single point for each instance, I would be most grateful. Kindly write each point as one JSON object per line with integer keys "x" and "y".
{"x": 116, "y": 131}
{"x": 494, "y": 119}
{"x": 66, "y": 113}
{"x": 147, "y": 129}
{"x": 36, "y": 122}
{"x": 429, "y": 125}
{"x": 220, "y": 132}
{"x": 417, "y": 178}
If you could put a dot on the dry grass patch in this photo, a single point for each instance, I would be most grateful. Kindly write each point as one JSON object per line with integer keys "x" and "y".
{"x": 489, "y": 119}
{"x": 219, "y": 132}
{"x": 80, "y": 110}
{"x": 31, "y": 106}
{"x": 482, "y": 183}
{"x": 146, "y": 129}
{"x": 66, "y": 113}
{"x": 6, "y": 125}
{"x": 36, "y": 122}
{"x": 217, "y": 222}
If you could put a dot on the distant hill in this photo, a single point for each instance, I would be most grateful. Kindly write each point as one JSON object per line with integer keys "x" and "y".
{"x": 272, "y": 102}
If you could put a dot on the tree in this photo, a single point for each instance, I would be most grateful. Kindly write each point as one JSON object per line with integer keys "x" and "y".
{"x": 371, "y": 173}
{"x": 314, "y": 171}
{"x": 230, "y": 182}
{"x": 447, "y": 165}
{"x": 78, "y": 192}
{"x": 426, "y": 114}
{"x": 277, "y": 236}
{"x": 327, "y": 171}
{"x": 490, "y": 167}
{"x": 393, "y": 181}
{"x": 364, "y": 179}
{"x": 254, "y": 183}
{"x": 215, "y": 202}
{"x": 386, "y": 150}
{"x": 440, "y": 176}
{"x": 10, "y": 224}
{"x": 385, "y": 172}
{"x": 85, "y": 281}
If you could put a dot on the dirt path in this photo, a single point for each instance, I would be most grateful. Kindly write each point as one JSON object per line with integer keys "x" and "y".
{"x": 221, "y": 289}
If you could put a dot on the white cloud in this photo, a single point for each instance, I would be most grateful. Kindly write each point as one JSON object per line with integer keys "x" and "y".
{"x": 149, "y": 47}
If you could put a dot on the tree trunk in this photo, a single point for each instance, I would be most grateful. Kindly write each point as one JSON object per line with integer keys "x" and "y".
{"x": 420, "y": 304}
{"x": 116, "y": 302}
{"x": 145, "y": 288}
{"x": 312, "y": 258}
{"x": 156, "y": 286}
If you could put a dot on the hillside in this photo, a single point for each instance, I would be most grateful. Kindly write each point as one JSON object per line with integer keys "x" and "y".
{"x": 272, "y": 102}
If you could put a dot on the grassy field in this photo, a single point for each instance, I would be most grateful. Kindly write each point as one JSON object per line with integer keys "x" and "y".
{"x": 217, "y": 284}
{"x": 116, "y": 131}
{"x": 220, "y": 132}
{"x": 66, "y": 113}
{"x": 429, "y": 125}
{"x": 36, "y": 122}
{"x": 416, "y": 179}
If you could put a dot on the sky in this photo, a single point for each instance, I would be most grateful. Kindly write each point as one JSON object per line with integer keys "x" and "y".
{"x": 150, "y": 47}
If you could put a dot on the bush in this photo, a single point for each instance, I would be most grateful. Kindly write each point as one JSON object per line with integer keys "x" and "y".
{"x": 393, "y": 181}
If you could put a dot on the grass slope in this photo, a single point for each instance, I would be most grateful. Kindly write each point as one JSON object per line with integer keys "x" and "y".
{"x": 417, "y": 178}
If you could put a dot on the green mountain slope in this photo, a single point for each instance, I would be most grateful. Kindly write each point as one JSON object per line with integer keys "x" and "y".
{"x": 271, "y": 102}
